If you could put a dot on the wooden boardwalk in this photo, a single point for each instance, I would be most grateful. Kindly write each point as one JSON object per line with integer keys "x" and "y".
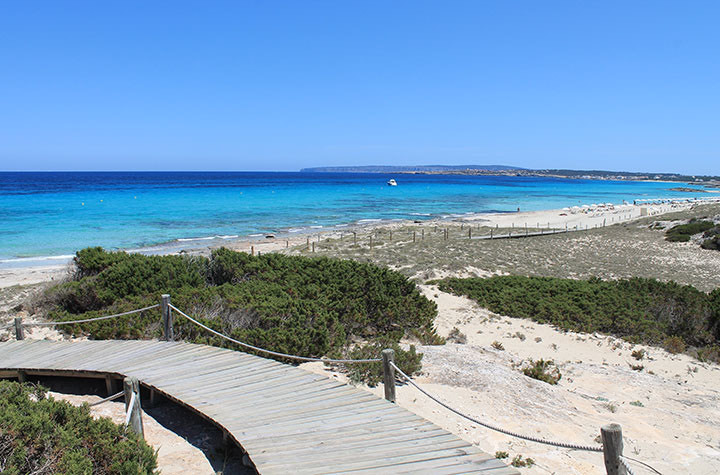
{"x": 288, "y": 420}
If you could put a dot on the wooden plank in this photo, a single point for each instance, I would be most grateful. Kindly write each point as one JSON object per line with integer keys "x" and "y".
{"x": 337, "y": 427}
{"x": 357, "y": 460}
{"x": 362, "y": 432}
{"x": 366, "y": 447}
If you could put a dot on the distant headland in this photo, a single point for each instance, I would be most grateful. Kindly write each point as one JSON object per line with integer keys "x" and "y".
{"x": 506, "y": 170}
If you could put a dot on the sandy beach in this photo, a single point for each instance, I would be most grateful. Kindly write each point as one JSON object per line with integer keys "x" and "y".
{"x": 668, "y": 409}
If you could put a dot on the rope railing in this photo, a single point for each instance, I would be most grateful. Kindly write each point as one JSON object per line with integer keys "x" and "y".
{"x": 565, "y": 445}
{"x": 627, "y": 467}
{"x": 108, "y": 399}
{"x": 95, "y": 319}
{"x": 270, "y": 352}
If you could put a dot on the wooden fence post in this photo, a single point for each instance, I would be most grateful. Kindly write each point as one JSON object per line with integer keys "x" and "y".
{"x": 612, "y": 449}
{"x": 313, "y": 246}
{"x": 167, "y": 318}
{"x": 469, "y": 233}
{"x": 19, "y": 331}
{"x": 354, "y": 238}
{"x": 388, "y": 356}
{"x": 132, "y": 387}
{"x": 413, "y": 236}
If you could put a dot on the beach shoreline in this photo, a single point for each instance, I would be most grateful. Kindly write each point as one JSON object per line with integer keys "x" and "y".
{"x": 28, "y": 270}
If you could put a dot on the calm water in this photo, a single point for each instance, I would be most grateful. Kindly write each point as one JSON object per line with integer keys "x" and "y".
{"x": 55, "y": 214}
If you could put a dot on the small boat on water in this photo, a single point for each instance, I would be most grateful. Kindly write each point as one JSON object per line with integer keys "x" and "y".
{"x": 392, "y": 182}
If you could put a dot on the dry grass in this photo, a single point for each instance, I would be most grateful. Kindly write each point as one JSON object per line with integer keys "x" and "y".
{"x": 636, "y": 249}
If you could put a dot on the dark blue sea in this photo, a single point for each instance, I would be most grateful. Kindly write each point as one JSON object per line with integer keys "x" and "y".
{"x": 50, "y": 215}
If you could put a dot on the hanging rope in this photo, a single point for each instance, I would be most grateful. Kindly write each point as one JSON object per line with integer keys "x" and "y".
{"x": 270, "y": 352}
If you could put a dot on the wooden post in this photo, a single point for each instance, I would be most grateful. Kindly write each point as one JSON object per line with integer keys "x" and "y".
{"x": 287, "y": 243}
{"x": 313, "y": 249}
{"x": 252, "y": 250}
{"x": 110, "y": 385}
{"x": 132, "y": 386}
{"x": 391, "y": 235}
{"x": 371, "y": 241}
{"x": 22, "y": 376}
{"x": 469, "y": 233}
{"x": 422, "y": 236}
{"x": 388, "y": 356}
{"x": 491, "y": 231}
{"x": 413, "y": 236}
{"x": 354, "y": 238}
{"x": 19, "y": 331}
{"x": 308, "y": 243}
{"x": 167, "y": 318}
{"x": 612, "y": 448}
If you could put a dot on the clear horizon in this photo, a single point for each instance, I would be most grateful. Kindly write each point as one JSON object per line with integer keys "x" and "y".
{"x": 225, "y": 86}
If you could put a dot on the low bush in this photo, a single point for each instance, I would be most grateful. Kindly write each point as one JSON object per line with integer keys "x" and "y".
{"x": 543, "y": 370}
{"x": 295, "y": 305}
{"x": 639, "y": 310}
{"x": 41, "y": 435}
{"x": 674, "y": 344}
{"x": 711, "y": 244}
{"x": 683, "y": 232}
{"x": 409, "y": 361}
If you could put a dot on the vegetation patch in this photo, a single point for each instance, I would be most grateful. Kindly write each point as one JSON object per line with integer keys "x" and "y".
{"x": 639, "y": 310}
{"x": 683, "y": 232}
{"x": 295, "y": 305}
{"x": 543, "y": 370}
{"x": 41, "y": 435}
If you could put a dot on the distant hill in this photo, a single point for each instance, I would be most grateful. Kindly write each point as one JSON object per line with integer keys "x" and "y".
{"x": 406, "y": 169}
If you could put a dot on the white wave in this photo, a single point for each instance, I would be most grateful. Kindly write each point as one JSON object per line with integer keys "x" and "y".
{"x": 206, "y": 238}
{"x": 20, "y": 260}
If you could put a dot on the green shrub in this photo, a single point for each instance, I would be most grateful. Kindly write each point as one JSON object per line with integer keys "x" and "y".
{"x": 683, "y": 232}
{"x": 41, "y": 435}
{"x": 518, "y": 461}
{"x": 372, "y": 373}
{"x": 711, "y": 244}
{"x": 295, "y": 305}
{"x": 639, "y": 310}
{"x": 501, "y": 454}
{"x": 543, "y": 370}
{"x": 674, "y": 344}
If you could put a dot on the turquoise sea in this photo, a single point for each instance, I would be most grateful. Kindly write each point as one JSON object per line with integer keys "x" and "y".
{"x": 51, "y": 215}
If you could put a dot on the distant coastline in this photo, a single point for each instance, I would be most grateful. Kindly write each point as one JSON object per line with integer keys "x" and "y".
{"x": 506, "y": 170}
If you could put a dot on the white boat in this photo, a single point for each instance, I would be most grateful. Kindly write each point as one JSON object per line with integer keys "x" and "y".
{"x": 392, "y": 182}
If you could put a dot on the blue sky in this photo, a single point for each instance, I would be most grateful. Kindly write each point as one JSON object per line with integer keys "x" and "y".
{"x": 280, "y": 85}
